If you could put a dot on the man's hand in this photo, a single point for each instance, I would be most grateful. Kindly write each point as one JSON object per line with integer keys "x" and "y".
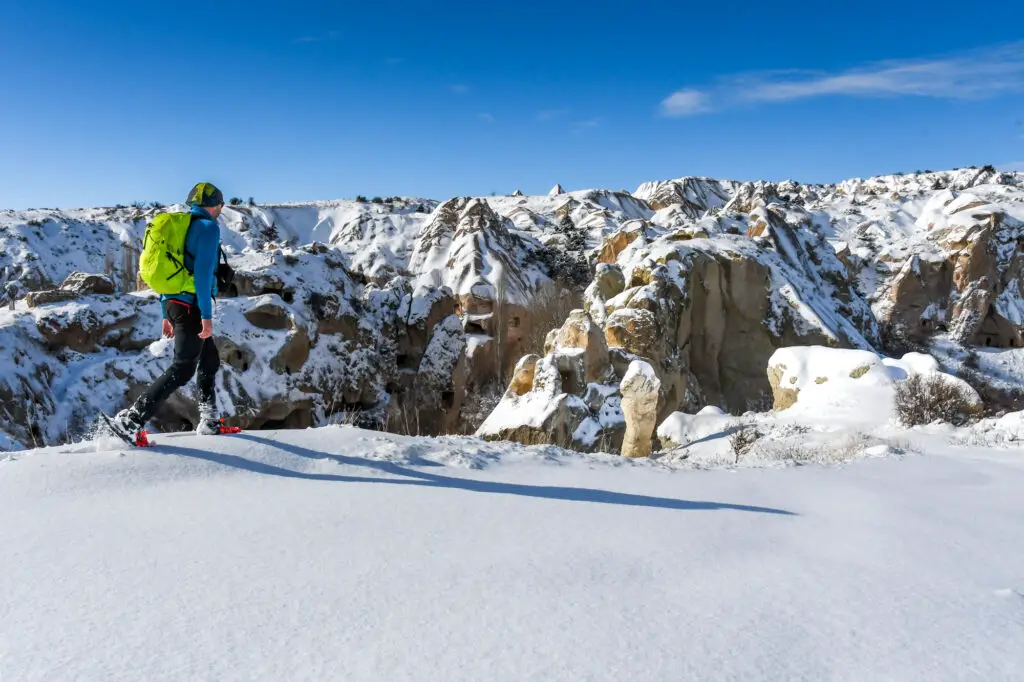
{"x": 168, "y": 330}
{"x": 207, "y": 331}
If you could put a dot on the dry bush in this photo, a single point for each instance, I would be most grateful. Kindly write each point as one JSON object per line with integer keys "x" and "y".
{"x": 550, "y": 309}
{"x": 743, "y": 439}
{"x": 923, "y": 399}
{"x": 478, "y": 405}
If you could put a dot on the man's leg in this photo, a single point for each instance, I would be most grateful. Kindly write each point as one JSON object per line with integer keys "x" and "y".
{"x": 209, "y": 364}
{"x": 187, "y": 348}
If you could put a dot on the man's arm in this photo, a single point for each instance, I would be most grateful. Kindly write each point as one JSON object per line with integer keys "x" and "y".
{"x": 205, "y": 265}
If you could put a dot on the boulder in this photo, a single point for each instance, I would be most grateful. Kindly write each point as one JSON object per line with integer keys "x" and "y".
{"x": 84, "y": 283}
{"x": 269, "y": 313}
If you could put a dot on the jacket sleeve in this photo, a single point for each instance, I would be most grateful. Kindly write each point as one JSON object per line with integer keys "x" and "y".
{"x": 207, "y": 245}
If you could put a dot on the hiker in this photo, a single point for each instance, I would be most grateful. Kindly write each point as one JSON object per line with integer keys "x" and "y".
{"x": 181, "y": 263}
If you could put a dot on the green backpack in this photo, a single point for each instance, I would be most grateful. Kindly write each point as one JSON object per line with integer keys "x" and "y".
{"x": 162, "y": 263}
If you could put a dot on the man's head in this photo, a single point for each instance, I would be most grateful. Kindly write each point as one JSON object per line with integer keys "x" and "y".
{"x": 205, "y": 194}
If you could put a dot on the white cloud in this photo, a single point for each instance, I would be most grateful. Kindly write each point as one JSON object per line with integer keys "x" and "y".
{"x": 459, "y": 89}
{"x": 974, "y": 75}
{"x": 487, "y": 117}
{"x": 685, "y": 103}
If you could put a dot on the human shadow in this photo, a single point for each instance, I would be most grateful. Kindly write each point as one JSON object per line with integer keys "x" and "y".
{"x": 416, "y": 477}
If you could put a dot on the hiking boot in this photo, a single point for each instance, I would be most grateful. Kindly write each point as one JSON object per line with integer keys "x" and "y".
{"x": 214, "y": 427}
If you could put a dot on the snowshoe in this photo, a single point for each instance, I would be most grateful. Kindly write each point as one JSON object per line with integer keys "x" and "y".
{"x": 138, "y": 438}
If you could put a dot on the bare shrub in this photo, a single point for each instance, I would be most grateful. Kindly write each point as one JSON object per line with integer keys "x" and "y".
{"x": 792, "y": 451}
{"x": 550, "y": 309}
{"x": 743, "y": 439}
{"x": 478, "y": 405}
{"x": 923, "y": 399}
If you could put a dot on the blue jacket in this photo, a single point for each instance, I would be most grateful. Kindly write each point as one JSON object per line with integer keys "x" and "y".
{"x": 203, "y": 245}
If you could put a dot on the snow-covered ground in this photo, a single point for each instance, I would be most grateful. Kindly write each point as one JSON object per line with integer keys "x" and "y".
{"x": 350, "y": 555}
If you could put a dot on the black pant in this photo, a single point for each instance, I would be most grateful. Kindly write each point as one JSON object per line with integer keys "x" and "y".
{"x": 190, "y": 352}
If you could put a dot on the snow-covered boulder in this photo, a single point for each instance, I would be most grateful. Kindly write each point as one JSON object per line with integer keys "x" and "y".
{"x": 76, "y": 285}
{"x": 817, "y": 379}
{"x": 680, "y": 428}
{"x": 569, "y": 397}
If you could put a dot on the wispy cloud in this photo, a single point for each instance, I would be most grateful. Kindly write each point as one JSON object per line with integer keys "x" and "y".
{"x": 319, "y": 38}
{"x": 549, "y": 114}
{"x": 459, "y": 88}
{"x": 487, "y": 117}
{"x": 1012, "y": 166}
{"x": 685, "y": 103}
{"x": 394, "y": 61}
{"x": 974, "y": 75}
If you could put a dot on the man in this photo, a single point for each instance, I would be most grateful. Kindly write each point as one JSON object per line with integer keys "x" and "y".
{"x": 188, "y": 319}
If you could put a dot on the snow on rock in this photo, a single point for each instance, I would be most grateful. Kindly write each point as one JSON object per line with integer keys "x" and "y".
{"x": 556, "y": 190}
{"x": 846, "y": 383}
{"x": 680, "y": 428}
{"x": 868, "y": 263}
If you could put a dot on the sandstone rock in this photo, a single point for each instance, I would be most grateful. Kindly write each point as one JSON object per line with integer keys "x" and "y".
{"x": 268, "y": 313}
{"x": 293, "y": 354}
{"x": 609, "y": 280}
{"x": 580, "y": 332}
{"x": 545, "y": 414}
{"x": 83, "y": 283}
{"x": 640, "y": 391}
{"x": 633, "y": 329}
{"x": 234, "y": 355}
{"x": 332, "y": 316}
{"x": 441, "y": 378}
{"x": 34, "y": 299}
{"x": 615, "y": 244}
{"x": 783, "y": 397}
{"x": 918, "y": 292}
{"x": 522, "y": 377}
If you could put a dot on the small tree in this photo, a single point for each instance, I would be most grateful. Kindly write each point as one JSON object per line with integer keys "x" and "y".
{"x": 361, "y": 199}
{"x": 377, "y": 200}
{"x": 252, "y": 202}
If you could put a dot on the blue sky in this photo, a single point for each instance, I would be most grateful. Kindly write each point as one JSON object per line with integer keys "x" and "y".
{"x": 114, "y": 102}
